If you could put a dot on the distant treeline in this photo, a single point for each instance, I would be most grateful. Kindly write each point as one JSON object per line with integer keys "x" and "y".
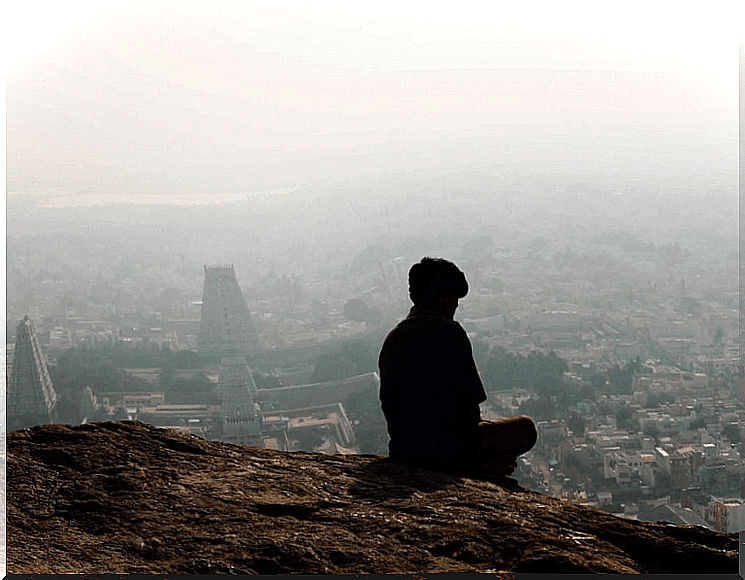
{"x": 538, "y": 372}
{"x": 150, "y": 356}
{"x": 101, "y": 369}
{"x": 349, "y": 359}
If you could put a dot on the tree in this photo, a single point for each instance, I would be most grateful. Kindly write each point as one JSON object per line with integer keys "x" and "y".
{"x": 548, "y": 386}
{"x": 307, "y": 439}
{"x": 67, "y": 411}
{"x": 364, "y": 410}
{"x": 655, "y": 399}
{"x": 266, "y": 380}
{"x": 372, "y": 439}
{"x": 588, "y": 393}
{"x": 374, "y": 318}
{"x": 166, "y": 376}
{"x": 731, "y": 431}
{"x": 576, "y": 424}
{"x": 350, "y": 359}
{"x": 539, "y": 244}
{"x": 651, "y": 430}
{"x": 362, "y": 354}
{"x": 187, "y": 359}
{"x": 537, "y": 372}
{"x": 624, "y": 417}
{"x": 196, "y": 390}
{"x": 78, "y": 368}
{"x": 481, "y": 352}
{"x": 357, "y": 310}
{"x": 538, "y": 408}
{"x": 698, "y": 423}
{"x": 332, "y": 367}
{"x": 620, "y": 379}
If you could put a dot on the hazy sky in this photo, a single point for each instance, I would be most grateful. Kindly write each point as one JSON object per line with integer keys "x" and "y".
{"x": 701, "y": 38}
{"x": 180, "y": 99}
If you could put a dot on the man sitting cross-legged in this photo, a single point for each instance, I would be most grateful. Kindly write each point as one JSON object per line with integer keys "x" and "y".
{"x": 430, "y": 389}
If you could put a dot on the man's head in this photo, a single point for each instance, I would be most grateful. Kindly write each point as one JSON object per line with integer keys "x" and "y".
{"x": 438, "y": 284}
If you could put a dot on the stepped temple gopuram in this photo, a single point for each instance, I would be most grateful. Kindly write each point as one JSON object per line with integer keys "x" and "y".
{"x": 31, "y": 398}
{"x": 225, "y": 328}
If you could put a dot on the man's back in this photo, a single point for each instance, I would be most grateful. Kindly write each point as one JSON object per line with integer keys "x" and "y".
{"x": 430, "y": 391}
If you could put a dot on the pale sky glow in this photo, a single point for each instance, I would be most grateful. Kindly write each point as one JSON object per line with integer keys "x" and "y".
{"x": 32, "y": 27}
{"x": 704, "y": 38}
{"x": 162, "y": 88}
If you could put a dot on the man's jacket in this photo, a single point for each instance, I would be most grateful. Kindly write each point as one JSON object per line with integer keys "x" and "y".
{"x": 430, "y": 392}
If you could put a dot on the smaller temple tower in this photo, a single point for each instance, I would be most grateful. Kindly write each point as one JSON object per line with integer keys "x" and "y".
{"x": 241, "y": 420}
{"x": 31, "y": 396}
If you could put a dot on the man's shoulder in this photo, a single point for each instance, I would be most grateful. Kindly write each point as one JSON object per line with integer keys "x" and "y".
{"x": 428, "y": 318}
{"x": 427, "y": 328}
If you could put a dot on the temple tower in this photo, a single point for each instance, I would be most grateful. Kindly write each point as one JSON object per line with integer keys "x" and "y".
{"x": 225, "y": 328}
{"x": 31, "y": 396}
{"x": 241, "y": 421}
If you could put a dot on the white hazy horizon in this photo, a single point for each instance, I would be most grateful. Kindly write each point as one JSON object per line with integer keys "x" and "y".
{"x": 183, "y": 105}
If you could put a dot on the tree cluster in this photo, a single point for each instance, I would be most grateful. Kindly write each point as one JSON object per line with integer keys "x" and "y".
{"x": 347, "y": 360}
{"x": 618, "y": 380}
{"x": 78, "y": 368}
{"x": 101, "y": 369}
{"x": 655, "y": 399}
{"x": 149, "y": 356}
{"x": 537, "y": 372}
{"x": 364, "y": 410}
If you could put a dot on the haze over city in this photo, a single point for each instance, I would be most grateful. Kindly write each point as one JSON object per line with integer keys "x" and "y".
{"x": 581, "y": 169}
{"x": 180, "y": 106}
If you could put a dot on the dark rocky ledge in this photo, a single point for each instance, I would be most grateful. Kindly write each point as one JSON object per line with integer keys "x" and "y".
{"x": 125, "y": 497}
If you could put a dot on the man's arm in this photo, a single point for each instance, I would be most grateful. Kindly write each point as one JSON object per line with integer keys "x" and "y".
{"x": 470, "y": 378}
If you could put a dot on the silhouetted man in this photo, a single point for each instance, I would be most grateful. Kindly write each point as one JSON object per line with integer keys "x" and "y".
{"x": 430, "y": 389}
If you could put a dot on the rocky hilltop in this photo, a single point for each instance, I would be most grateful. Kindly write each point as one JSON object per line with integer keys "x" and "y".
{"x": 126, "y": 497}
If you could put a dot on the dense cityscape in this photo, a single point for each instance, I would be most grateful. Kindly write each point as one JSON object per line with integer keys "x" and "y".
{"x": 625, "y": 352}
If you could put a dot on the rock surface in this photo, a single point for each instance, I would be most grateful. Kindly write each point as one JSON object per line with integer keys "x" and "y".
{"x": 125, "y": 497}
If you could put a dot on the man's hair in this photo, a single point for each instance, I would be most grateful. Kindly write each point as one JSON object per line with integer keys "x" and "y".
{"x": 435, "y": 277}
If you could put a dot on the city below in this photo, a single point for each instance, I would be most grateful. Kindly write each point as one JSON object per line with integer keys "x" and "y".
{"x": 636, "y": 387}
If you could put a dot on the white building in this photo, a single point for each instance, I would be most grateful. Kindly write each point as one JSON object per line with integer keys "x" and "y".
{"x": 727, "y": 515}
{"x": 662, "y": 459}
{"x": 622, "y": 466}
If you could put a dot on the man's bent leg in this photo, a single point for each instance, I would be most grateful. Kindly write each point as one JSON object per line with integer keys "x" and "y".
{"x": 502, "y": 442}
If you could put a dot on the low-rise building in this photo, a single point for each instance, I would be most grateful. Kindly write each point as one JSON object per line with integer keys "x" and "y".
{"x": 619, "y": 466}
{"x": 625, "y": 466}
{"x": 727, "y": 515}
{"x": 681, "y": 474}
{"x": 327, "y": 425}
{"x": 606, "y": 439}
{"x": 60, "y": 338}
{"x": 662, "y": 458}
{"x": 713, "y": 365}
{"x": 605, "y": 498}
{"x": 114, "y": 400}
{"x": 550, "y": 434}
{"x": 667, "y": 376}
{"x": 673, "y": 514}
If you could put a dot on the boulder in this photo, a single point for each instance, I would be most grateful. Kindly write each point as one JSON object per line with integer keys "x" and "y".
{"x": 126, "y": 497}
